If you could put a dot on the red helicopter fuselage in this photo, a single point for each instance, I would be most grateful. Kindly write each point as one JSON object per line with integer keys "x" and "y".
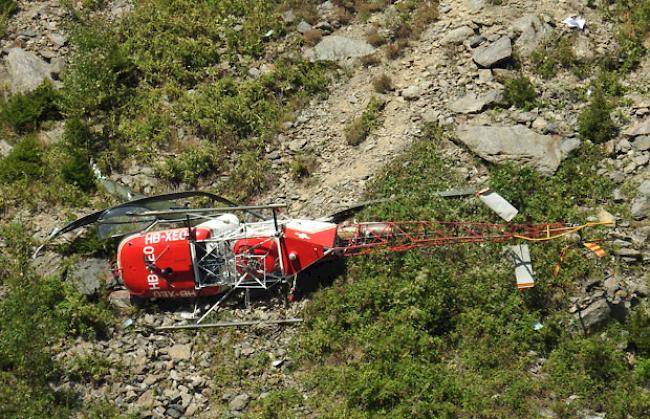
{"x": 214, "y": 256}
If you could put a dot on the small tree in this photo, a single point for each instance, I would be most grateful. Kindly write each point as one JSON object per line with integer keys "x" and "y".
{"x": 595, "y": 121}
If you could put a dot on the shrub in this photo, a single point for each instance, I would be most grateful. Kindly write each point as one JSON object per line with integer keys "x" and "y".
{"x": 25, "y": 161}
{"x": 643, "y": 372}
{"x": 395, "y": 49}
{"x": 520, "y": 92}
{"x": 382, "y": 83}
{"x": 312, "y": 36}
{"x": 640, "y": 330}
{"x": 25, "y": 111}
{"x": 553, "y": 55}
{"x": 201, "y": 160}
{"x": 595, "y": 122}
{"x": 7, "y": 8}
{"x": 358, "y": 129}
{"x": 100, "y": 75}
{"x": 302, "y": 166}
{"x": 370, "y": 60}
{"x": 374, "y": 38}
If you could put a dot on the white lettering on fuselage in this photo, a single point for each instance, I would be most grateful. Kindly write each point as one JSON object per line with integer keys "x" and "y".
{"x": 149, "y": 251}
{"x": 165, "y": 236}
{"x": 172, "y": 294}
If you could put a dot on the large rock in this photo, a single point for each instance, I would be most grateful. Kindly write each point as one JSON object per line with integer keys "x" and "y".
{"x": 532, "y": 31}
{"x": 5, "y": 148}
{"x": 180, "y": 352}
{"x": 517, "y": 144}
{"x": 642, "y": 128}
{"x": 595, "y": 316}
{"x": 457, "y": 36}
{"x": 470, "y": 103}
{"x": 335, "y": 48}
{"x": 239, "y": 402}
{"x": 493, "y": 54}
{"x": 641, "y": 204}
{"x": 88, "y": 275}
{"x": 26, "y": 71}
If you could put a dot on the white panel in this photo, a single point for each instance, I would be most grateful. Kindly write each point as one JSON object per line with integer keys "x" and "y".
{"x": 523, "y": 266}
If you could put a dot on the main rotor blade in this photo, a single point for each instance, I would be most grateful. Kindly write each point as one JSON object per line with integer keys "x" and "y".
{"x": 204, "y": 210}
{"x": 340, "y": 216}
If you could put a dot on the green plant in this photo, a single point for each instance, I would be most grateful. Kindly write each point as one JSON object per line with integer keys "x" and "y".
{"x": 302, "y": 166}
{"x": 382, "y": 83}
{"x": 7, "y": 8}
{"x": 201, "y": 160}
{"x": 89, "y": 367}
{"x": 595, "y": 121}
{"x": 358, "y": 129}
{"x": 25, "y": 111}
{"x": 24, "y": 162}
{"x": 553, "y": 55}
{"x": 640, "y": 330}
{"x": 643, "y": 371}
{"x": 520, "y": 92}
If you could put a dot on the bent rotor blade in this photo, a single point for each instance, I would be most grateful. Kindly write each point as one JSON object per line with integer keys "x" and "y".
{"x": 340, "y": 216}
{"x": 147, "y": 203}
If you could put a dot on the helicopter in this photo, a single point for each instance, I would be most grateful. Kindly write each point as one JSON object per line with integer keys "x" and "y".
{"x": 168, "y": 249}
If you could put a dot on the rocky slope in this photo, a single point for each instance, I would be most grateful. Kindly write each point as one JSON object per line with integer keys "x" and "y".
{"x": 451, "y": 75}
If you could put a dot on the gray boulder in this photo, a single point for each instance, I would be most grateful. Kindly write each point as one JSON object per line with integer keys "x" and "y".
{"x": 239, "y": 402}
{"x": 594, "y": 316}
{"x": 470, "y": 103}
{"x": 88, "y": 275}
{"x": 493, "y": 54}
{"x": 517, "y": 144}
{"x": 642, "y": 128}
{"x": 5, "y": 148}
{"x": 532, "y": 31}
{"x": 457, "y": 36}
{"x": 641, "y": 204}
{"x": 25, "y": 70}
{"x": 335, "y": 48}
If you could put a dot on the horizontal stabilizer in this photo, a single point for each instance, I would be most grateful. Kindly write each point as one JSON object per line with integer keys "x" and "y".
{"x": 523, "y": 266}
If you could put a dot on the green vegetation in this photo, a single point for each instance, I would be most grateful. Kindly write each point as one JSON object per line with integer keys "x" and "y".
{"x": 302, "y": 166}
{"x": 176, "y": 81}
{"x": 24, "y": 162}
{"x": 520, "y": 92}
{"x": 7, "y": 8}
{"x": 35, "y": 314}
{"x": 382, "y": 83}
{"x": 595, "y": 122}
{"x": 553, "y": 55}
{"x": 358, "y": 129}
{"x": 442, "y": 332}
{"x": 23, "y": 112}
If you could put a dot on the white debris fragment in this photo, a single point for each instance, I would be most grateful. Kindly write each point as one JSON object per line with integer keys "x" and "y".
{"x": 575, "y": 22}
{"x": 523, "y": 266}
{"x": 498, "y": 204}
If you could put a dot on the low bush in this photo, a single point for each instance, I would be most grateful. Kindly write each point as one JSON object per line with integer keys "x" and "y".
{"x": 382, "y": 83}
{"x": 312, "y": 36}
{"x": 640, "y": 330}
{"x": 357, "y": 130}
{"x": 200, "y": 160}
{"x": 302, "y": 166}
{"x": 595, "y": 122}
{"x": 24, "y": 112}
{"x": 7, "y": 8}
{"x": 553, "y": 55}
{"x": 24, "y": 162}
{"x": 520, "y": 92}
